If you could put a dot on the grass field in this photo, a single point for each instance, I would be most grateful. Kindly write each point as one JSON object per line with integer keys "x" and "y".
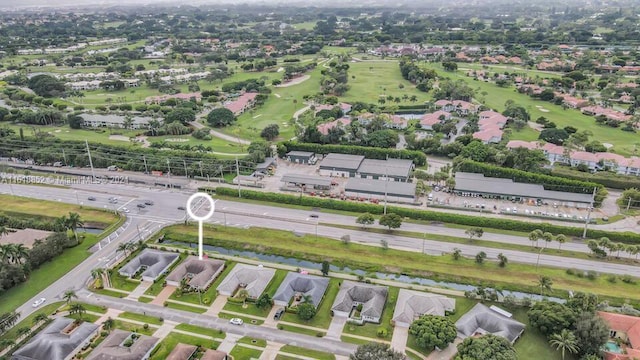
{"x": 192, "y": 309}
{"x": 299, "y": 330}
{"x": 142, "y": 318}
{"x": 46, "y": 208}
{"x": 241, "y": 352}
{"x": 495, "y": 98}
{"x": 164, "y": 348}
{"x": 319, "y": 355}
{"x": 309, "y": 25}
{"x": 218, "y": 334}
{"x": 128, "y": 326}
{"x": 511, "y": 69}
{"x": 28, "y": 321}
{"x": 376, "y": 79}
{"x": 520, "y": 276}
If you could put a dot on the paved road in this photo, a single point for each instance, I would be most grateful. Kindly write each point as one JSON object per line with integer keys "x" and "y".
{"x": 179, "y": 316}
{"x": 222, "y": 136}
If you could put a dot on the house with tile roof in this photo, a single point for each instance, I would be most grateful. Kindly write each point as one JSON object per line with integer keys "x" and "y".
{"x": 198, "y": 274}
{"x": 150, "y": 263}
{"x": 623, "y": 329}
{"x": 254, "y": 279}
{"x": 428, "y": 120}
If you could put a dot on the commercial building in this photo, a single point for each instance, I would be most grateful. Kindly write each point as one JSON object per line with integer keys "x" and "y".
{"x": 340, "y": 165}
{"x": 305, "y": 182}
{"x": 390, "y": 169}
{"x": 302, "y": 157}
{"x": 392, "y": 191}
{"x": 509, "y": 190}
{"x": 269, "y": 164}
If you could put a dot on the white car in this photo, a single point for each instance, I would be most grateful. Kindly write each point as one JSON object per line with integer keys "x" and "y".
{"x": 236, "y": 321}
{"x": 125, "y": 210}
{"x": 38, "y": 302}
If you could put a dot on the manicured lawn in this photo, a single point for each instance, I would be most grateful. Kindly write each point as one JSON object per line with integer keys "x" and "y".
{"x": 307, "y": 352}
{"x": 88, "y": 307}
{"x": 370, "y": 258}
{"x": 352, "y": 340}
{"x": 224, "y": 315}
{"x": 93, "y": 136}
{"x": 85, "y": 317}
{"x": 164, "y": 348}
{"x": 216, "y": 144}
{"x": 275, "y": 282}
{"x": 251, "y": 341}
{"x": 218, "y": 334}
{"x": 123, "y": 283}
{"x": 525, "y": 134}
{"x": 496, "y": 97}
{"x": 250, "y": 309}
{"x": 111, "y": 293}
{"x": 211, "y": 292}
{"x": 28, "y": 321}
{"x": 142, "y": 318}
{"x": 323, "y": 315}
{"x": 411, "y": 343}
{"x": 532, "y": 344}
{"x": 186, "y": 307}
{"x": 157, "y": 287}
{"x": 309, "y": 25}
{"x": 127, "y": 326}
{"x": 511, "y": 69}
{"x": 17, "y": 204}
{"x": 299, "y": 330}
{"x": 379, "y": 79}
{"x": 369, "y": 329}
{"x": 145, "y": 299}
{"x": 241, "y": 352}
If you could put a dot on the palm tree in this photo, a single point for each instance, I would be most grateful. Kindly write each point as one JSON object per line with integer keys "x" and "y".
{"x": 535, "y": 235}
{"x": 5, "y": 251}
{"x": 243, "y": 295}
{"x": 20, "y": 253}
{"x": 124, "y": 247}
{"x": 307, "y": 299}
{"x": 73, "y": 222}
{"x": 69, "y": 295}
{"x": 6, "y": 343}
{"x": 545, "y": 283}
{"x": 23, "y": 331}
{"x": 77, "y": 308}
{"x": 565, "y": 341}
{"x": 547, "y": 237}
{"x": 40, "y": 318}
{"x": 60, "y": 224}
{"x": 108, "y": 324}
{"x": 561, "y": 239}
{"x": 3, "y": 230}
{"x": 502, "y": 260}
{"x": 97, "y": 273}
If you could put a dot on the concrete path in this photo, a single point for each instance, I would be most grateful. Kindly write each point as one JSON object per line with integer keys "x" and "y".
{"x": 217, "y": 305}
{"x": 164, "y": 295}
{"x": 271, "y": 351}
{"x": 139, "y": 291}
{"x": 222, "y": 136}
{"x": 399, "y": 338}
{"x": 229, "y": 342}
{"x": 165, "y": 329}
{"x": 447, "y": 353}
{"x": 335, "y": 329}
{"x": 270, "y": 321}
{"x": 111, "y": 313}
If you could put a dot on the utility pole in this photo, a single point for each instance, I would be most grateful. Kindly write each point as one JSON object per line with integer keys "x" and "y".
{"x": 169, "y": 167}
{"x": 186, "y": 174}
{"x": 629, "y": 203}
{"x": 586, "y": 223}
{"x": 93, "y": 174}
{"x": 146, "y": 170}
{"x": 201, "y": 173}
{"x": 238, "y": 176}
{"x": 64, "y": 158}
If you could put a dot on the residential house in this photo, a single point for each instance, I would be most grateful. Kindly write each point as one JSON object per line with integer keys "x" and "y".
{"x": 195, "y": 273}
{"x": 352, "y": 294}
{"x": 491, "y": 124}
{"x": 115, "y": 121}
{"x": 150, "y": 264}
{"x": 242, "y": 103}
{"x": 411, "y": 305}
{"x": 428, "y": 120}
{"x": 124, "y": 345}
{"x": 296, "y": 287}
{"x": 624, "y": 331}
{"x": 60, "y": 340}
{"x": 254, "y": 279}
{"x": 481, "y": 320}
{"x": 339, "y": 123}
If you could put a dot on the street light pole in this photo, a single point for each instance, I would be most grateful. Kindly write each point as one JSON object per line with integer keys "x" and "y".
{"x": 586, "y": 223}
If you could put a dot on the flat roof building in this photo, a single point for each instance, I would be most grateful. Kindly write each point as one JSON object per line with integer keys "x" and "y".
{"x": 198, "y": 274}
{"x": 340, "y": 165}
{"x": 302, "y": 157}
{"x": 507, "y": 188}
{"x": 393, "y": 169}
{"x": 55, "y": 342}
{"x": 394, "y": 191}
{"x": 308, "y": 182}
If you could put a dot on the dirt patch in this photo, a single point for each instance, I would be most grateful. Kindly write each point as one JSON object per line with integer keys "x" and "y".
{"x": 295, "y": 81}
{"x": 119, "y": 138}
{"x": 25, "y": 237}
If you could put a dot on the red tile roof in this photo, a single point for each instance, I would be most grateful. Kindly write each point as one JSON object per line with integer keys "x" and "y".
{"x": 434, "y": 118}
{"x": 239, "y": 105}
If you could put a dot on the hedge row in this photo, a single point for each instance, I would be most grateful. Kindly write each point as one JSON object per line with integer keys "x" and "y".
{"x": 614, "y": 181}
{"x": 416, "y": 214}
{"x": 549, "y": 182}
{"x": 418, "y": 157}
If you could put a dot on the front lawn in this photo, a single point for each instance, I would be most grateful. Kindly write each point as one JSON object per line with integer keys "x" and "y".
{"x": 183, "y": 307}
{"x": 319, "y": 355}
{"x": 211, "y": 292}
{"x": 127, "y": 326}
{"x": 240, "y": 352}
{"x": 164, "y": 348}
{"x": 218, "y": 334}
{"x": 369, "y": 329}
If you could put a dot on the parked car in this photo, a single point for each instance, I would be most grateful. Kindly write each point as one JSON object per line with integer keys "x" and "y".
{"x": 148, "y": 202}
{"x": 278, "y": 314}
{"x": 141, "y": 206}
{"x": 236, "y": 321}
{"x": 38, "y": 302}
{"x": 125, "y": 210}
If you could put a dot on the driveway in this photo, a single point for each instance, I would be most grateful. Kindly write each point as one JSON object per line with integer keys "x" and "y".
{"x": 399, "y": 338}
{"x": 335, "y": 329}
{"x": 164, "y": 295}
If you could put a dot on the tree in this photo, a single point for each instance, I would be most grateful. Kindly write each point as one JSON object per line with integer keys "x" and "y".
{"x": 449, "y": 66}
{"x": 592, "y": 332}
{"x": 40, "y": 318}
{"x": 181, "y": 114}
{"x": 7, "y": 320}
{"x": 264, "y": 301}
{"x": 457, "y": 254}
{"x": 554, "y": 136}
{"x": 270, "y": 132}
{"x": 108, "y": 324}
{"x": 243, "y": 295}
{"x": 97, "y": 273}
{"x": 69, "y": 295}
{"x": 23, "y": 331}
{"x": 326, "y": 266}
{"x": 433, "y": 331}
{"x": 545, "y": 283}
{"x": 488, "y": 346}
{"x": 75, "y": 121}
{"x": 561, "y": 239}
{"x": 547, "y": 237}
{"x": 474, "y": 232}
{"x": 77, "y": 308}
{"x": 306, "y": 311}
{"x": 583, "y": 302}
{"x": 365, "y": 220}
{"x": 220, "y": 117}
{"x": 502, "y": 260}
{"x": 73, "y": 222}
{"x": 551, "y": 317}
{"x": 392, "y": 221}
{"x": 376, "y": 351}
{"x": 535, "y": 235}
{"x": 480, "y": 257}
{"x": 564, "y": 341}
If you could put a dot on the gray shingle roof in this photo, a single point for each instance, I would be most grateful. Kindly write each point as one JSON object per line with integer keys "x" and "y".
{"x": 472, "y": 182}
{"x": 372, "y": 297}
{"x": 52, "y": 344}
{"x": 341, "y": 161}
{"x": 182, "y": 352}
{"x": 413, "y": 304}
{"x": 111, "y": 348}
{"x": 293, "y": 283}
{"x": 370, "y": 186}
{"x": 390, "y": 167}
{"x": 255, "y": 278}
{"x": 482, "y": 320}
{"x": 202, "y": 272}
{"x": 156, "y": 262}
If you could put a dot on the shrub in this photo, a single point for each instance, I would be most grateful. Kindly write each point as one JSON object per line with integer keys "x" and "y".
{"x": 280, "y": 327}
{"x": 571, "y": 271}
{"x": 382, "y": 332}
{"x": 612, "y": 279}
{"x": 418, "y": 157}
{"x": 592, "y": 275}
{"x": 319, "y": 334}
{"x": 145, "y": 326}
